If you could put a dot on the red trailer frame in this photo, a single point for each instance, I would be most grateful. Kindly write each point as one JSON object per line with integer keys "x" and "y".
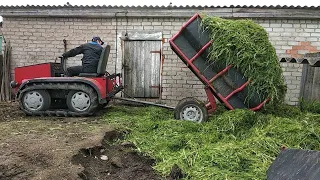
{"x": 209, "y": 88}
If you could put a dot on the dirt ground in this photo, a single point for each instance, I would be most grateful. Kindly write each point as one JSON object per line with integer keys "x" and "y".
{"x": 65, "y": 148}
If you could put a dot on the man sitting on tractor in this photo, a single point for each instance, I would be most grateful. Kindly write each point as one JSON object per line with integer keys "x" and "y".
{"x": 91, "y": 55}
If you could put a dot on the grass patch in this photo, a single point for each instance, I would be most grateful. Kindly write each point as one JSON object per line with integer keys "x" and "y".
{"x": 245, "y": 45}
{"x": 310, "y": 106}
{"x": 239, "y": 144}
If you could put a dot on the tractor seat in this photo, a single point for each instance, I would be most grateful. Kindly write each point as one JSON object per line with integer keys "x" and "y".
{"x": 101, "y": 69}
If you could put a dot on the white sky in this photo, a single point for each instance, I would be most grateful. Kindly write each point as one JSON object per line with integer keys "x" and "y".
{"x": 162, "y": 2}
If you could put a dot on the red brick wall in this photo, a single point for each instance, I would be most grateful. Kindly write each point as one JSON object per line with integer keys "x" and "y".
{"x": 302, "y": 48}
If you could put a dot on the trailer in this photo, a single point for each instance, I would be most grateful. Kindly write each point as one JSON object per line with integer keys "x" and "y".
{"x": 225, "y": 83}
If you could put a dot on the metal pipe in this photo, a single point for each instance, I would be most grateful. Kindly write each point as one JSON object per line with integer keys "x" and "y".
{"x": 115, "y": 67}
{"x": 144, "y": 102}
{"x": 115, "y": 15}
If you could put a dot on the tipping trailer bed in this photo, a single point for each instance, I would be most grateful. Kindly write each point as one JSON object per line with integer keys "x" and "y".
{"x": 226, "y": 83}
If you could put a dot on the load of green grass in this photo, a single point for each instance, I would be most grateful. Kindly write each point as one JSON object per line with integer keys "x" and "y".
{"x": 245, "y": 45}
{"x": 238, "y": 144}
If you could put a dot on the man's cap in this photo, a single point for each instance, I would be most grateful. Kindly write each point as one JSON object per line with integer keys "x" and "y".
{"x": 96, "y": 38}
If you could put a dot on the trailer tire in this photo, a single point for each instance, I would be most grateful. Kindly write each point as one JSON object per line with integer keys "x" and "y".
{"x": 191, "y": 109}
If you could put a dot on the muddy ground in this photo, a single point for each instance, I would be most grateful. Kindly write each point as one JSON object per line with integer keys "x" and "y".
{"x": 65, "y": 148}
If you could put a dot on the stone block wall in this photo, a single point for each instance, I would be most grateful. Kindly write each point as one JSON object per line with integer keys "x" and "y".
{"x": 39, "y": 40}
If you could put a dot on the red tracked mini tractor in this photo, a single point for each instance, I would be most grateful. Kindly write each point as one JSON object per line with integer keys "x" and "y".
{"x": 43, "y": 89}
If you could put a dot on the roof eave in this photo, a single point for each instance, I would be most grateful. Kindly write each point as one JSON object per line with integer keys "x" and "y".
{"x": 163, "y": 11}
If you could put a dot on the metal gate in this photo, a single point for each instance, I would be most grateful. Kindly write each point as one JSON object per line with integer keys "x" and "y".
{"x": 142, "y": 63}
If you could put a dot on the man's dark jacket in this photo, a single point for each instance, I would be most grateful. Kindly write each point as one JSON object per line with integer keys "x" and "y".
{"x": 91, "y": 55}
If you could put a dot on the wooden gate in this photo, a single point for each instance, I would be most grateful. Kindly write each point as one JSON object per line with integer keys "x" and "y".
{"x": 142, "y": 63}
{"x": 310, "y": 83}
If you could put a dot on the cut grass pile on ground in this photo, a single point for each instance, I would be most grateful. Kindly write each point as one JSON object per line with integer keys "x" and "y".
{"x": 239, "y": 144}
{"x": 245, "y": 45}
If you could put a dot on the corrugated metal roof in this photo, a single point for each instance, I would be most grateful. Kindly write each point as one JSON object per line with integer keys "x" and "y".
{"x": 109, "y": 11}
{"x": 313, "y": 60}
{"x": 152, "y": 7}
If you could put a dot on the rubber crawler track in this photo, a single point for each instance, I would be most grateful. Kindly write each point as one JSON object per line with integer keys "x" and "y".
{"x": 61, "y": 86}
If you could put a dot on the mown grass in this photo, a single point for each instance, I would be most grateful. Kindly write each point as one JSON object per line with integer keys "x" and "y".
{"x": 245, "y": 44}
{"x": 239, "y": 144}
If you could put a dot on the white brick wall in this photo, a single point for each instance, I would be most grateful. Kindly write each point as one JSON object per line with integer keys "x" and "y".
{"x": 38, "y": 40}
{"x": 293, "y": 38}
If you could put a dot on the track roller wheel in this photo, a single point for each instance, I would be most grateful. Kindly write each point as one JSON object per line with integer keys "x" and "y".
{"x": 36, "y": 100}
{"x": 81, "y": 101}
{"x": 191, "y": 109}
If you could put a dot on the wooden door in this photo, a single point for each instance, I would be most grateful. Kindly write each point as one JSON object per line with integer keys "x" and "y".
{"x": 310, "y": 83}
{"x": 142, "y": 63}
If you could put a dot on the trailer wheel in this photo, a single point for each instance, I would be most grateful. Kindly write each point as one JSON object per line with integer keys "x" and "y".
{"x": 36, "y": 100}
{"x": 191, "y": 109}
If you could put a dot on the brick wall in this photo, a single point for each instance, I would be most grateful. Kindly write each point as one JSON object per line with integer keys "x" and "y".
{"x": 38, "y": 40}
{"x": 293, "y": 38}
